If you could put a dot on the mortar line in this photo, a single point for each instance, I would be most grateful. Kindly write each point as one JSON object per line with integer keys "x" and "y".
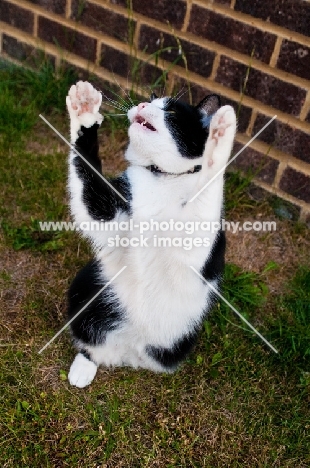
{"x": 242, "y": 58}
{"x": 180, "y": 72}
{"x": 68, "y": 8}
{"x": 187, "y": 15}
{"x": 276, "y": 51}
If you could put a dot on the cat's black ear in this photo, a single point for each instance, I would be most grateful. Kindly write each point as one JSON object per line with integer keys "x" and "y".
{"x": 207, "y": 107}
{"x": 153, "y": 96}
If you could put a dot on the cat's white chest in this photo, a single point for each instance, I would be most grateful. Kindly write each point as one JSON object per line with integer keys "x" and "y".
{"x": 162, "y": 295}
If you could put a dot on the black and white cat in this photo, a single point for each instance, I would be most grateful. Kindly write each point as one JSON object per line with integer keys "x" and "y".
{"x": 150, "y": 315}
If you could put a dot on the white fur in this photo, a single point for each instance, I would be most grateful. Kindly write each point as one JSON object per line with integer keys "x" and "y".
{"x": 82, "y": 371}
{"x": 161, "y": 295}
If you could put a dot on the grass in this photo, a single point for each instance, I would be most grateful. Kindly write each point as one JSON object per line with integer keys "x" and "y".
{"x": 233, "y": 404}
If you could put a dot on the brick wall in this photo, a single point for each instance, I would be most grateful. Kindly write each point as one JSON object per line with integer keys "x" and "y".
{"x": 256, "y": 53}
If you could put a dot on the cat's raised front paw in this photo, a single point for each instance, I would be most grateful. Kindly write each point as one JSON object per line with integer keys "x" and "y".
{"x": 223, "y": 124}
{"x": 84, "y": 98}
{"x": 83, "y": 103}
{"x": 82, "y": 371}
{"x": 221, "y": 138}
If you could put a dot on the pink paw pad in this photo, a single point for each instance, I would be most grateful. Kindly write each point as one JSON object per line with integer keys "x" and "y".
{"x": 84, "y": 98}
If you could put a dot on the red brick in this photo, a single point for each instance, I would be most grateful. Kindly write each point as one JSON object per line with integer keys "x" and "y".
{"x": 56, "y": 6}
{"x": 295, "y": 58}
{"x": 198, "y": 93}
{"x": 67, "y": 38}
{"x": 284, "y": 137}
{"x": 109, "y": 90}
{"x": 115, "y": 61}
{"x": 223, "y": 2}
{"x": 183, "y": 89}
{"x": 255, "y": 164}
{"x": 24, "y": 52}
{"x": 16, "y": 16}
{"x": 165, "y": 11}
{"x": 290, "y": 14}
{"x": 243, "y": 113}
{"x": 198, "y": 59}
{"x": 122, "y": 64}
{"x": 231, "y": 33}
{"x": 296, "y": 184}
{"x": 265, "y": 88}
{"x": 103, "y": 20}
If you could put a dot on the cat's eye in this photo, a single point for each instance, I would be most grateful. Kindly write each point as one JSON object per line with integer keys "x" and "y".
{"x": 171, "y": 112}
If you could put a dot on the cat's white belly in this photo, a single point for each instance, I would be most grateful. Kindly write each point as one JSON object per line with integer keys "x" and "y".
{"x": 160, "y": 310}
{"x": 163, "y": 298}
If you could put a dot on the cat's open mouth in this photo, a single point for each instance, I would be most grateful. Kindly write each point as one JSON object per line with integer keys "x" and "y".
{"x": 140, "y": 120}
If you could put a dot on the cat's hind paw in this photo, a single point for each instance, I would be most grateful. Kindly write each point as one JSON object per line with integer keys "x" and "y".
{"x": 82, "y": 371}
{"x": 221, "y": 137}
{"x": 83, "y": 103}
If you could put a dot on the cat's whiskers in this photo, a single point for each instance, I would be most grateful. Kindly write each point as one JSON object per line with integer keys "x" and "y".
{"x": 126, "y": 94}
{"x": 115, "y": 104}
{"x": 124, "y": 102}
{"x": 179, "y": 92}
{"x": 114, "y": 107}
{"x": 179, "y": 95}
{"x": 114, "y": 115}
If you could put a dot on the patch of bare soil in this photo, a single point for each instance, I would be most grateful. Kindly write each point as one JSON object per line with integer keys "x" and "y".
{"x": 26, "y": 277}
{"x": 44, "y": 140}
{"x": 254, "y": 250}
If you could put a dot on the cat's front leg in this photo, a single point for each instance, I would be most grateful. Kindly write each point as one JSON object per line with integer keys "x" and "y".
{"x": 219, "y": 144}
{"x": 91, "y": 197}
{"x": 83, "y": 104}
{"x": 209, "y": 189}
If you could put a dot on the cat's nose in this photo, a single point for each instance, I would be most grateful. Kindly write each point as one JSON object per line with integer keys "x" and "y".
{"x": 142, "y": 105}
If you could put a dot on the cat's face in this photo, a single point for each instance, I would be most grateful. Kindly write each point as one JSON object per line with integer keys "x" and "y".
{"x": 169, "y": 133}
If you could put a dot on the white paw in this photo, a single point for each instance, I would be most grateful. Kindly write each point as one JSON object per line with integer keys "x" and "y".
{"x": 83, "y": 103}
{"x": 223, "y": 124}
{"x": 82, "y": 371}
{"x": 221, "y": 138}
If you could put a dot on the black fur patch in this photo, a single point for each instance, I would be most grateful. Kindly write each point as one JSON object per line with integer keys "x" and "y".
{"x": 171, "y": 357}
{"x": 184, "y": 123}
{"x": 101, "y": 316}
{"x": 100, "y": 200}
{"x": 87, "y": 144}
{"x": 214, "y": 267}
{"x": 86, "y": 354}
